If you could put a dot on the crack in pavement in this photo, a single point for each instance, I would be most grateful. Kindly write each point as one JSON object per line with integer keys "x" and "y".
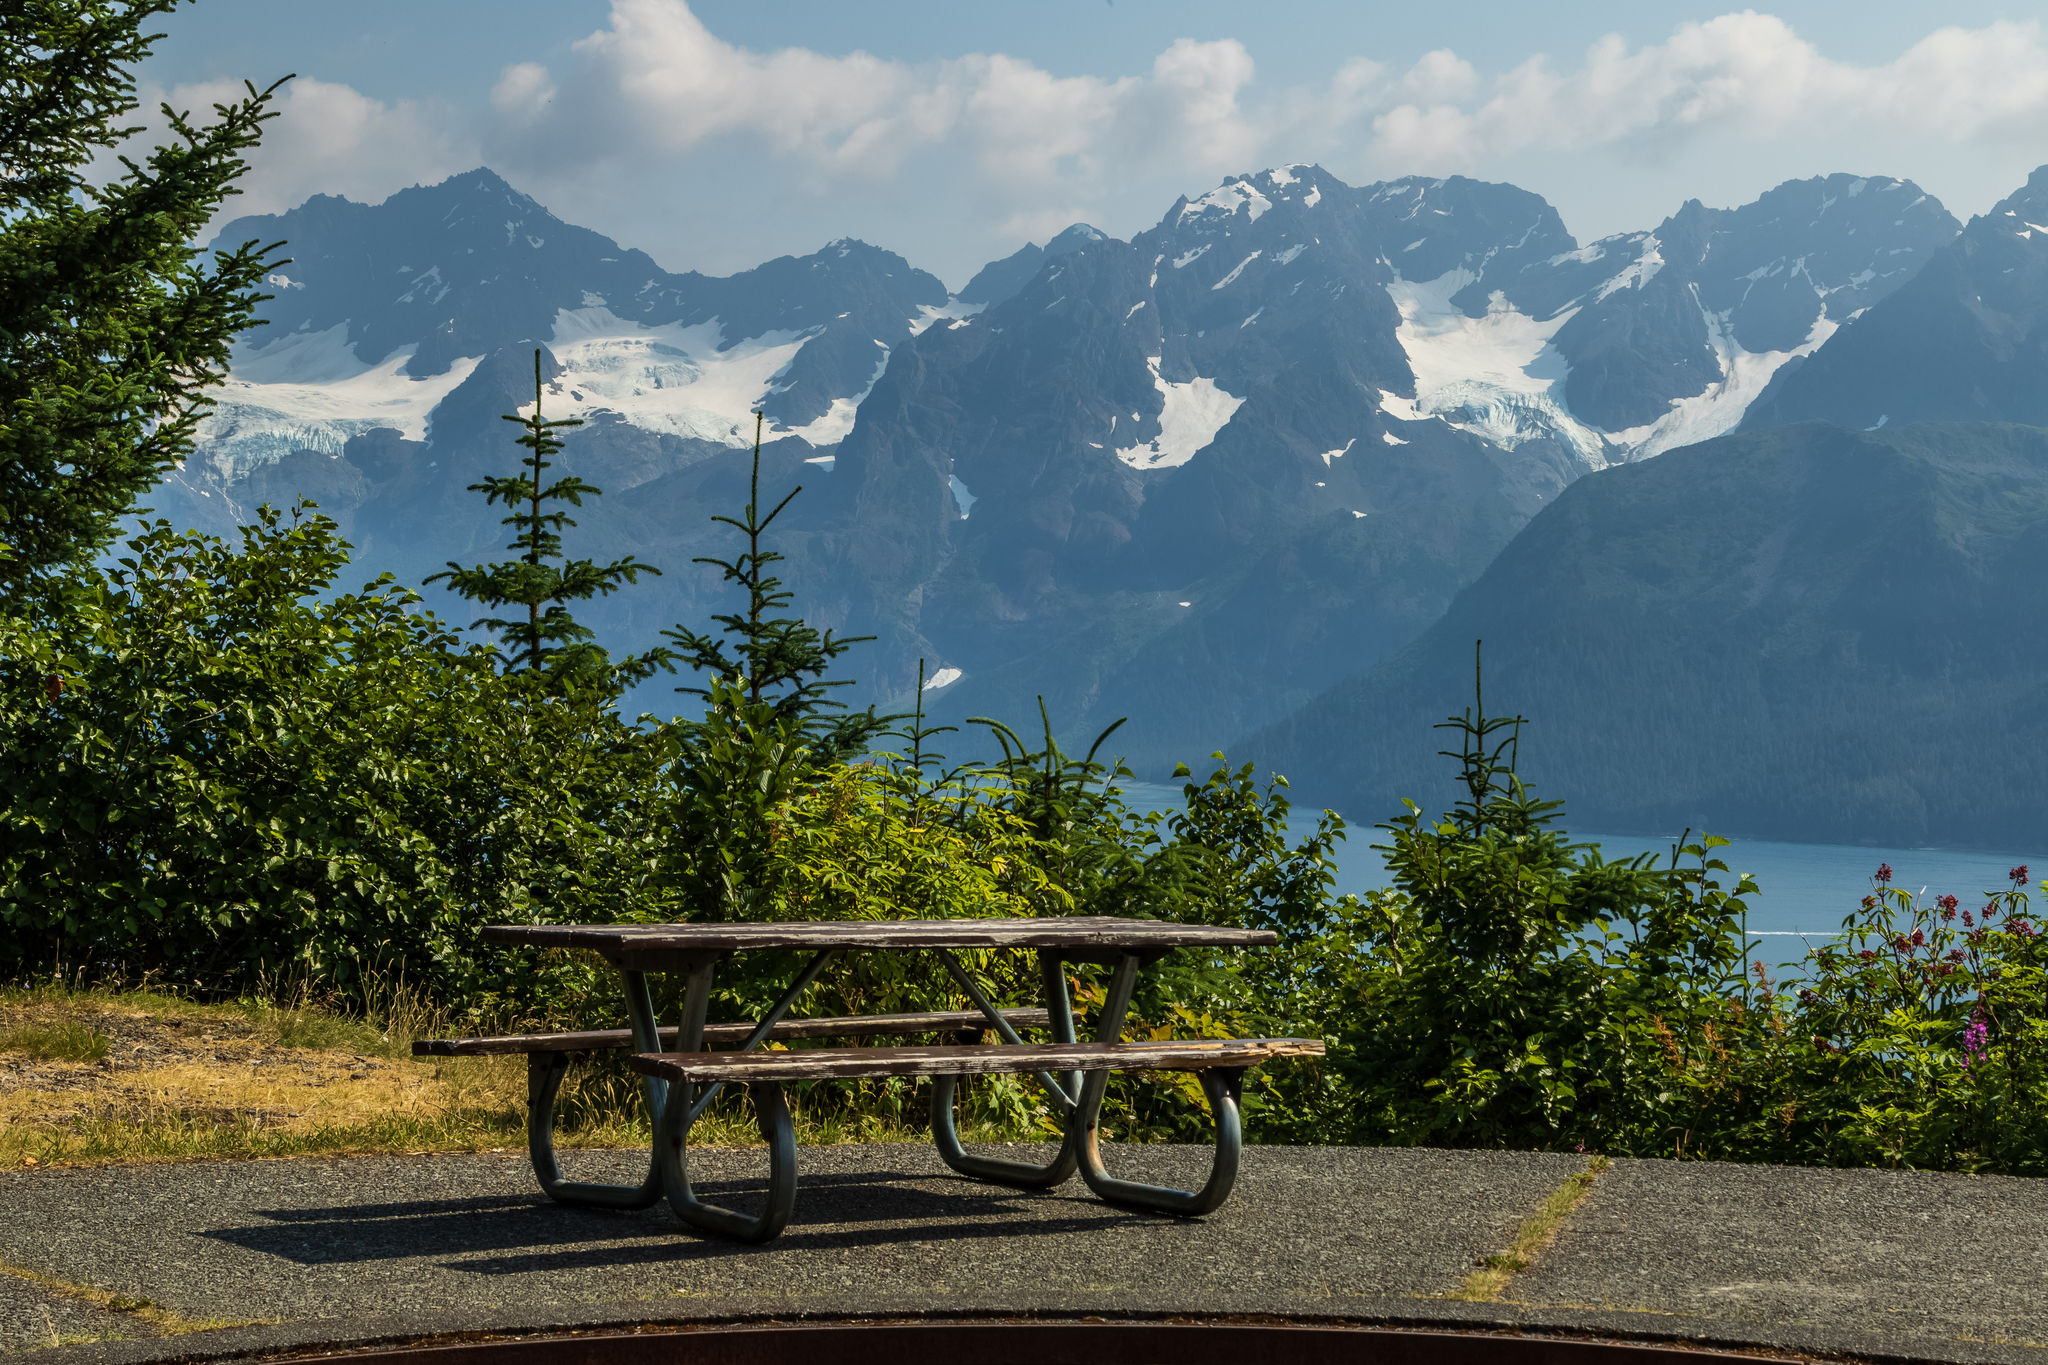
{"x": 1487, "y": 1283}
{"x": 163, "y": 1321}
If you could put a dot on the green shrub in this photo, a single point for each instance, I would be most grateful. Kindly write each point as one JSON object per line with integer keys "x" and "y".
{"x": 216, "y": 772}
{"x": 213, "y": 774}
{"x": 1515, "y": 989}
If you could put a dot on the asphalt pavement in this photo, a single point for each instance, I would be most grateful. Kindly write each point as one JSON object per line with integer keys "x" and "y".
{"x": 242, "y": 1258}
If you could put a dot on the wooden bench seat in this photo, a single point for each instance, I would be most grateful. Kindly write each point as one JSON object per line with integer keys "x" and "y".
{"x": 811, "y": 1064}
{"x": 850, "y": 1026}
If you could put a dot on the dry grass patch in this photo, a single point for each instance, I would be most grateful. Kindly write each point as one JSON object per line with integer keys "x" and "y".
{"x": 101, "y": 1076}
{"x": 90, "y": 1077}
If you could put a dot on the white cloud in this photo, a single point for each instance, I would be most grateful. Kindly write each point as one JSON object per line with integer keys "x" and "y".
{"x": 330, "y": 139}
{"x": 663, "y": 73}
{"x": 1742, "y": 76}
{"x": 656, "y": 130}
{"x": 1195, "y": 88}
{"x": 522, "y": 92}
{"x": 656, "y": 81}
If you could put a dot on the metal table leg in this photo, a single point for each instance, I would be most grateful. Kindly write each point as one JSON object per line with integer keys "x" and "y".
{"x": 671, "y": 1138}
{"x": 1221, "y": 1085}
{"x": 544, "y": 1073}
{"x": 1025, "y": 1175}
{"x": 671, "y": 1154}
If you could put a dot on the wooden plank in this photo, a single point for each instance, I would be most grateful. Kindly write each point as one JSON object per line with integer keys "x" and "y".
{"x": 1078, "y": 931}
{"x": 841, "y": 1026}
{"x": 813, "y": 1064}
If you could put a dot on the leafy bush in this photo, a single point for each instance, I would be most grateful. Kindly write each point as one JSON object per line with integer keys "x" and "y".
{"x": 210, "y": 774}
{"x": 215, "y": 771}
{"x": 1919, "y": 1038}
{"x": 1515, "y": 989}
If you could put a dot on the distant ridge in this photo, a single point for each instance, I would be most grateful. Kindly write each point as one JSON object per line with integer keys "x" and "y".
{"x": 1803, "y": 633}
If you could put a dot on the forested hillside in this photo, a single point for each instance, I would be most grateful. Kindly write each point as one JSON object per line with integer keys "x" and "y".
{"x": 1796, "y": 633}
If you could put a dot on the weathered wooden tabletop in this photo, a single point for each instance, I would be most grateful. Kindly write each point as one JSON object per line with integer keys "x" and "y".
{"x": 1077, "y": 931}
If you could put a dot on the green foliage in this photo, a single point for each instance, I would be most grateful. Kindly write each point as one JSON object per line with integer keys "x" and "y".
{"x": 769, "y": 660}
{"x": 547, "y": 639}
{"x": 214, "y": 769}
{"x": 1107, "y": 857}
{"x": 112, "y": 325}
{"x": 1917, "y": 1038}
{"x": 1515, "y": 989}
{"x": 769, "y": 728}
{"x": 1483, "y": 976}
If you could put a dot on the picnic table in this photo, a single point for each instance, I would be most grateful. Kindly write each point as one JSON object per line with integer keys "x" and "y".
{"x": 681, "y": 1075}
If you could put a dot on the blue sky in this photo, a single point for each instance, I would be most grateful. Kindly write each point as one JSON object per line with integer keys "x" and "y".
{"x": 717, "y": 133}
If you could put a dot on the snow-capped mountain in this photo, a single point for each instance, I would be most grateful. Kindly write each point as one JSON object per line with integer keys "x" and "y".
{"x": 1649, "y": 340}
{"x": 385, "y": 310}
{"x": 1194, "y": 477}
{"x": 998, "y": 280}
{"x": 1289, "y": 421}
{"x": 1965, "y": 339}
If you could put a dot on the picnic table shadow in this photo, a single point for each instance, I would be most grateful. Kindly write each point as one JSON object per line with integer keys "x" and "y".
{"x": 843, "y": 1209}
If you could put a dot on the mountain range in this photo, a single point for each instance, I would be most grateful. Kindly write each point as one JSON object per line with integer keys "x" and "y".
{"x": 1208, "y": 477}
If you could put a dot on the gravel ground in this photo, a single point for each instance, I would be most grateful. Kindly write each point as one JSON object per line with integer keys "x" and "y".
{"x": 32, "y": 1316}
{"x": 1866, "y": 1264}
{"x": 1906, "y": 1251}
{"x": 296, "y": 1240}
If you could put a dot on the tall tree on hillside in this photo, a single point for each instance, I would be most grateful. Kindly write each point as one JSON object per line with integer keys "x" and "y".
{"x": 545, "y": 638}
{"x": 112, "y": 324}
{"x": 766, "y": 659}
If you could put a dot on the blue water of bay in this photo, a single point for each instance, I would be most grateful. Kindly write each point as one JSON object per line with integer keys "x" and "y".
{"x": 1803, "y": 890}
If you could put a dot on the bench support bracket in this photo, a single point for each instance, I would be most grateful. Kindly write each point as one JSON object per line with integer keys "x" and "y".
{"x": 1023, "y": 1175}
{"x": 672, "y": 1156}
{"x": 1222, "y": 1086}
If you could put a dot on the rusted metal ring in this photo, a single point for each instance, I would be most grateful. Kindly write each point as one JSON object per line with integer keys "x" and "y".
{"x": 1006, "y": 1341}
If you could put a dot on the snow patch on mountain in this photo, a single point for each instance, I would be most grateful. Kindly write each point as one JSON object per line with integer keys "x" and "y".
{"x": 952, "y": 312}
{"x": 1227, "y": 200}
{"x": 1190, "y": 415}
{"x": 686, "y": 380}
{"x": 837, "y": 421}
{"x": 1638, "y": 272}
{"x": 302, "y": 357}
{"x": 1719, "y": 410}
{"x": 1235, "y": 271}
{"x": 1496, "y": 375}
{"x": 309, "y": 391}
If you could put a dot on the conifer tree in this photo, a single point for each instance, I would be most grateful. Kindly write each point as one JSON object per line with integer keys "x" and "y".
{"x": 768, "y": 659}
{"x": 546, "y": 639}
{"x": 112, "y": 324}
